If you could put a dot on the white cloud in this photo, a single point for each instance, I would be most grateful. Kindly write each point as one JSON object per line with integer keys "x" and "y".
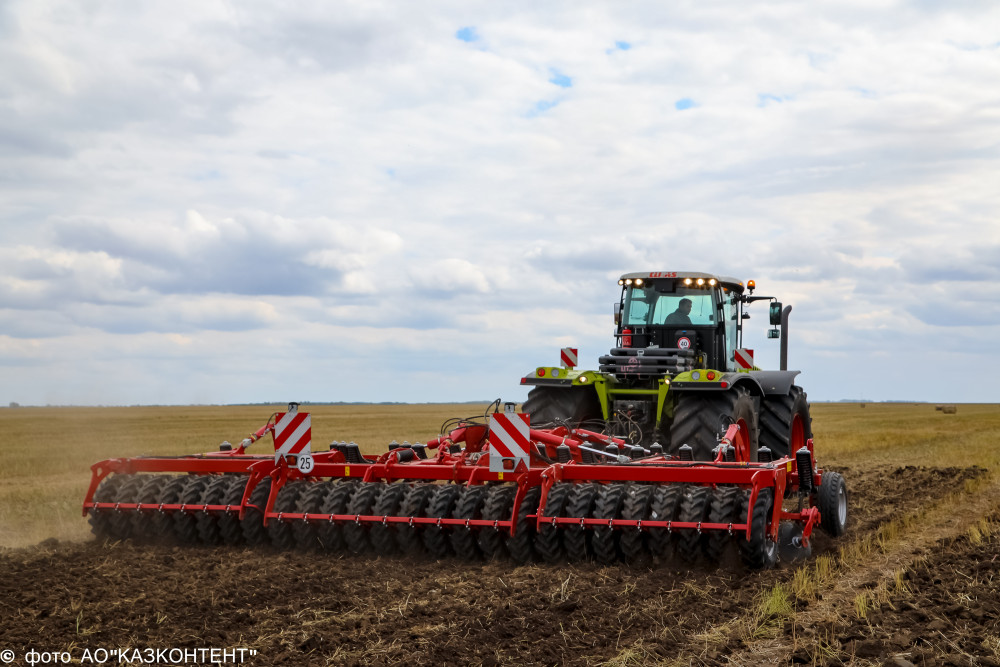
{"x": 362, "y": 194}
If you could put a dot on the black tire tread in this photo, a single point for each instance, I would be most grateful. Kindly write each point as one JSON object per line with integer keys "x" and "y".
{"x": 207, "y": 523}
{"x": 441, "y": 505}
{"x": 279, "y": 530}
{"x": 726, "y": 503}
{"x": 695, "y": 507}
{"x": 122, "y": 521}
{"x": 410, "y": 538}
{"x": 827, "y": 497}
{"x": 604, "y": 540}
{"x": 330, "y": 534}
{"x": 776, "y": 420}
{"x": 520, "y": 545}
{"x": 548, "y": 540}
{"x": 186, "y": 523}
{"x": 252, "y": 522}
{"x": 697, "y": 420}
{"x": 362, "y": 504}
{"x": 638, "y": 503}
{"x": 469, "y": 506}
{"x": 230, "y": 531}
{"x": 107, "y": 492}
{"x": 383, "y": 537}
{"x": 755, "y": 552}
{"x": 142, "y": 522}
{"x": 665, "y": 506}
{"x": 310, "y": 501}
{"x": 554, "y": 406}
{"x": 498, "y": 507}
{"x": 576, "y": 539}
{"x": 161, "y": 524}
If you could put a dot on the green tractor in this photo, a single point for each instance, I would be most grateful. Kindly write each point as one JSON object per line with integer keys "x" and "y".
{"x": 679, "y": 375}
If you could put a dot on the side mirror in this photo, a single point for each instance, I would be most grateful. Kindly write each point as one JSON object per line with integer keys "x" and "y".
{"x": 618, "y": 314}
{"x": 775, "y": 313}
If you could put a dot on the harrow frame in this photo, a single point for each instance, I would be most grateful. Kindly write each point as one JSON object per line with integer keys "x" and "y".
{"x": 469, "y": 465}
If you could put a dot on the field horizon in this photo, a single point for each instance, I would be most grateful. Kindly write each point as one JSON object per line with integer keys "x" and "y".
{"x": 923, "y": 537}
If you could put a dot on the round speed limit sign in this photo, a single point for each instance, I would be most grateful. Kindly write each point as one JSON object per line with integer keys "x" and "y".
{"x": 305, "y": 463}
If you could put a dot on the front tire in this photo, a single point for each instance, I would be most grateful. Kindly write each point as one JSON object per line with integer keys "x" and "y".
{"x": 558, "y": 406}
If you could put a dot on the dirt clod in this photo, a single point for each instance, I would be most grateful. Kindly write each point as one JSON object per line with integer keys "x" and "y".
{"x": 313, "y": 608}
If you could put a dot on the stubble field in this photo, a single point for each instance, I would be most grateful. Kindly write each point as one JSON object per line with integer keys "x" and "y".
{"x": 916, "y": 579}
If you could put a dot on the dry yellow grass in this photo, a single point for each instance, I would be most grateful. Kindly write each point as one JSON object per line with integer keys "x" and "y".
{"x": 47, "y": 452}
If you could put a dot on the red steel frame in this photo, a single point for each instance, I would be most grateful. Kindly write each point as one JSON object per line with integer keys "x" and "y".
{"x": 470, "y": 466}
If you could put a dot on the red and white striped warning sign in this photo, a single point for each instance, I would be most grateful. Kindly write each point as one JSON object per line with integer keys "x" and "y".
{"x": 509, "y": 441}
{"x": 569, "y": 357}
{"x": 744, "y": 359}
{"x": 292, "y": 433}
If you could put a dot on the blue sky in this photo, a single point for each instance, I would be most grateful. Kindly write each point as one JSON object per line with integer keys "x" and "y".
{"x": 246, "y": 202}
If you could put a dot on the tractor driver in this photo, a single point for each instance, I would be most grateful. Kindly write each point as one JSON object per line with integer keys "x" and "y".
{"x": 680, "y": 316}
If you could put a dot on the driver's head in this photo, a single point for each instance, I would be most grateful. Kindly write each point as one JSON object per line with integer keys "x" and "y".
{"x": 684, "y": 306}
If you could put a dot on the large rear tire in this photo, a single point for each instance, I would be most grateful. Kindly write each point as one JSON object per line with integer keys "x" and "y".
{"x": 785, "y": 424}
{"x": 699, "y": 420}
{"x": 562, "y": 406}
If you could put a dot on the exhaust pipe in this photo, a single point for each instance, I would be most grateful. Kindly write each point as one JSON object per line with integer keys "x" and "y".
{"x": 784, "y": 337}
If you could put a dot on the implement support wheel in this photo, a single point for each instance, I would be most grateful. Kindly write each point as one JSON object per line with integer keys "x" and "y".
{"x": 831, "y": 498}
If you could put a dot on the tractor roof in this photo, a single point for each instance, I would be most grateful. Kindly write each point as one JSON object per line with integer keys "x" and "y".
{"x": 730, "y": 283}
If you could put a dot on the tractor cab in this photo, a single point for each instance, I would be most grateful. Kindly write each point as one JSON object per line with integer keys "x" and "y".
{"x": 670, "y": 322}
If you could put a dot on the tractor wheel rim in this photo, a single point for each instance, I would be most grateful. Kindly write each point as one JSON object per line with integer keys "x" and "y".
{"x": 798, "y": 435}
{"x": 842, "y": 506}
{"x": 770, "y": 549}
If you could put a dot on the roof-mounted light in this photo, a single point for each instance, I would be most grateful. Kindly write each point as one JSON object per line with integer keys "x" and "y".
{"x": 628, "y": 281}
{"x": 751, "y": 285}
{"x": 701, "y": 281}
{"x": 712, "y": 282}
{"x": 688, "y": 281}
{"x": 621, "y": 282}
{"x": 638, "y": 282}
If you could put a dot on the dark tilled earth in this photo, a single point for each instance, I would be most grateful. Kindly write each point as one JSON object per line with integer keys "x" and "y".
{"x": 316, "y": 609}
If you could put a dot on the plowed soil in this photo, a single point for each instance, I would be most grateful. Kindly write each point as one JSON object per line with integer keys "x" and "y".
{"x": 308, "y": 608}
